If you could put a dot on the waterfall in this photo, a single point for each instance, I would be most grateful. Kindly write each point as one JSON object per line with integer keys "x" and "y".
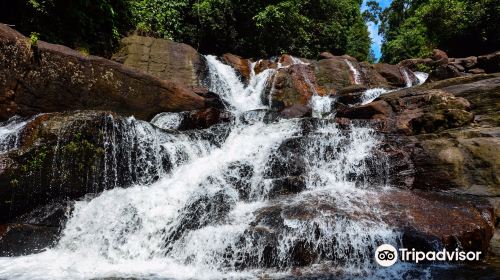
{"x": 10, "y": 131}
{"x": 354, "y": 71}
{"x": 421, "y": 76}
{"x": 240, "y": 200}
{"x": 371, "y": 94}
{"x": 407, "y": 78}
{"x": 224, "y": 81}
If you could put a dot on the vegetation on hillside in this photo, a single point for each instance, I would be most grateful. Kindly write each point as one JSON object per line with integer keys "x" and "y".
{"x": 246, "y": 27}
{"x": 412, "y": 28}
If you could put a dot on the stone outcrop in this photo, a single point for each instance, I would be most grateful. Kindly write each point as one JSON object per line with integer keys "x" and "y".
{"x": 443, "y": 136}
{"x": 442, "y": 67}
{"x": 49, "y": 78}
{"x": 241, "y": 65}
{"x": 164, "y": 59}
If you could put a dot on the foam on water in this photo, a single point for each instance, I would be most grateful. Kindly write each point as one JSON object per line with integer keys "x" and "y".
{"x": 226, "y": 83}
{"x": 212, "y": 213}
{"x": 10, "y": 131}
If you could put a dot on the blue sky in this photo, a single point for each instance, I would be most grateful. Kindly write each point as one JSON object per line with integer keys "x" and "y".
{"x": 376, "y": 39}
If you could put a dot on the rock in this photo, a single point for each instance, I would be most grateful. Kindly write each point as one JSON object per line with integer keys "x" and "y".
{"x": 392, "y": 73}
{"x": 264, "y": 64}
{"x": 326, "y": 55}
{"x": 372, "y": 110}
{"x": 241, "y": 65}
{"x": 25, "y": 239}
{"x": 164, "y": 59}
{"x": 483, "y": 93}
{"x": 52, "y": 78}
{"x": 476, "y": 71}
{"x": 439, "y": 221}
{"x": 351, "y": 95}
{"x": 296, "y": 111}
{"x": 467, "y": 62}
{"x": 294, "y": 85}
{"x": 68, "y": 155}
{"x": 287, "y": 60}
{"x": 332, "y": 74}
{"x": 490, "y": 63}
{"x": 439, "y": 57}
{"x": 201, "y": 119}
{"x": 444, "y": 72}
{"x": 416, "y": 64}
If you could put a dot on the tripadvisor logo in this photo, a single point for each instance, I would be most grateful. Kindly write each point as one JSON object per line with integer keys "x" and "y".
{"x": 387, "y": 255}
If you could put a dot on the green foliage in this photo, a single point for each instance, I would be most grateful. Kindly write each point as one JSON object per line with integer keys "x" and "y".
{"x": 459, "y": 27}
{"x": 34, "y": 38}
{"x": 247, "y": 27}
{"x": 93, "y": 25}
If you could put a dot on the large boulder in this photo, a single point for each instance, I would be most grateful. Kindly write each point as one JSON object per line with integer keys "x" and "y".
{"x": 241, "y": 65}
{"x": 394, "y": 74}
{"x": 164, "y": 59}
{"x": 294, "y": 85}
{"x": 49, "y": 78}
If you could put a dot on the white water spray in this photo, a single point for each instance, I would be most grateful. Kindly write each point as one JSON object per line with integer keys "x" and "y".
{"x": 354, "y": 71}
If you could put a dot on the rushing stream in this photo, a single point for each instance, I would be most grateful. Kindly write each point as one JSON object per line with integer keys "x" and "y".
{"x": 251, "y": 198}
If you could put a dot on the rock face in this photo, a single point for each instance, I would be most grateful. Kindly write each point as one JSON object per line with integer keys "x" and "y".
{"x": 68, "y": 155}
{"x": 48, "y": 78}
{"x": 441, "y": 67}
{"x": 443, "y": 136}
{"x": 164, "y": 59}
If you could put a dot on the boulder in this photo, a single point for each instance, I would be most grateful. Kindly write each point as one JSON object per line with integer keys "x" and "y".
{"x": 264, "y": 64}
{"x": 294, "y": 85}
{"x": 439, "y": 57}
{"x": 326, "y": 55}
{"x": 444, "y": 72}
{"x": 164, "y": 59}
{"x": 393, "y": 74}
{"x": 241, "y": 65}
{"x": 49, "y": 78}
{"x": 490, "y": 63}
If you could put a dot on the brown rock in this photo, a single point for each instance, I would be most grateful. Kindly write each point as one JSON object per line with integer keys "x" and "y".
{"x": 444, "y": 72}
{"x": 373, "y": 110}
{"x": 164, "y": 59}
{"x": 52, "y": 78}
{"x": 241, "y": 65}
{"x": 326, "y": 55}
{"x": 264, "y": 64}
{"x": 490, "y": 63}
{"x": 294, "y": 85}
{"x": 439, "y": 57}
{"x": 296, "y": 111}
{"x": 392, "y": 73}
{"x": 476, "y": 71}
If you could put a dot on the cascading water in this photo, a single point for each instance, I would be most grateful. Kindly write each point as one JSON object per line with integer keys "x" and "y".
{"x": 244, "y": 205}
{"x": 354, "y": 71}
{"x": 10, "y": 131}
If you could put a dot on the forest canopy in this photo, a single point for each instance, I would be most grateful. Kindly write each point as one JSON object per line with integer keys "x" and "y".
{"x": 412, "y": 28}
{"x": 245, "y": 27}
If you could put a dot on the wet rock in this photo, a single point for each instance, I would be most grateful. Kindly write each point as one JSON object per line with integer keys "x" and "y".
{"x": 372, "y": 110}
{"x": 63, "y": 79}
{"x": 69, "y": 155}
{"x": 264, "y": 64}
{"x": 392, "y": 73}
{"x": 439, "y": 221}
{"x": 164, "y": 59}
{"x": 241, "y": 65}
{"x": 294, "y": 85}
{"x": 351, "y": 95}
{"x": 201, "y": 119}
{"x": 26, "y": 239}
{"x": 296, "y": 111}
